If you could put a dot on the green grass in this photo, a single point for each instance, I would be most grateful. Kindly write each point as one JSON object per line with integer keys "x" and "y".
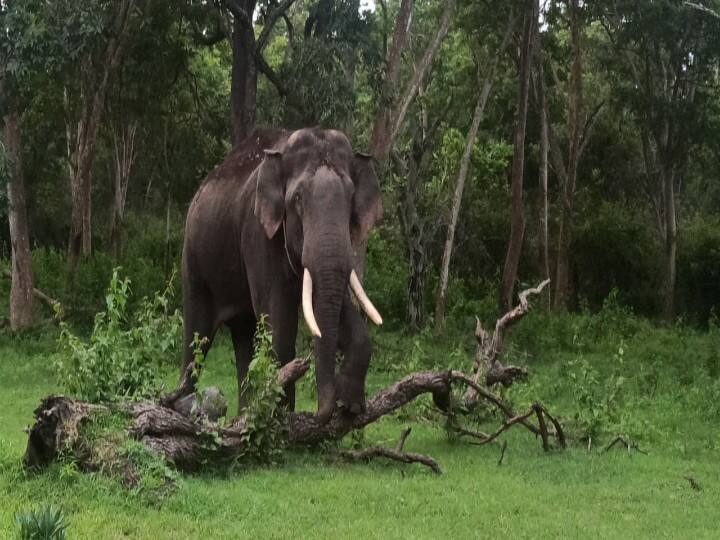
{"x": 574, "y": 493}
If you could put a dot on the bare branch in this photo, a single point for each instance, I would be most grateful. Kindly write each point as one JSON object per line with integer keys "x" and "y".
{"x": 270, "y": 20}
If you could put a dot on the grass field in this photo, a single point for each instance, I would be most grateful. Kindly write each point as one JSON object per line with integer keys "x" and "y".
{"x": 576, "y": 493}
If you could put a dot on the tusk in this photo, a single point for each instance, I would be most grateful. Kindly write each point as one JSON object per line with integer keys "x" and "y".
{"x": 307, "y": 305}
{"x": 363, "y": 299}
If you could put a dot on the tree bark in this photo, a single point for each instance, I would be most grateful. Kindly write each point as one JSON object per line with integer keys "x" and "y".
{"x": 517, "y": 223}
{"x": 21, "y": 290}
{"x": 243, "y": 86}
{"x": 380, "y": 144}
{"x": 575, "y": 107}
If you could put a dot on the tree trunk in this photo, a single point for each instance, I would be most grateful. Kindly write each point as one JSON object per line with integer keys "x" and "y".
{"x": 380, "y": 144}
{"x": 668, "y": 179}
{"x": 544, "y": 244}
{"x": 421, "y": 71}
{"x": 575, "y": 106}
{"x": 517, "y": 223}
{"x": 124, "y": 156}
{"x": 457, "y": 200}
{"x": 82, "y": 133}
{"x": 413, "y": 229}
{"x": 21, "y": 291}
{"x": 243, "y": 87}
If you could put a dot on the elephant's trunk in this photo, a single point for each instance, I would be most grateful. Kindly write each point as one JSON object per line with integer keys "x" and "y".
{"x": 328, "y": 277}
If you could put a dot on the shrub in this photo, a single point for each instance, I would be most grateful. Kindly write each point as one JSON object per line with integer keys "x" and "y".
{"x": 264, "y": 436}
{"x": 46, "y": 524}
{"x": 121, "y": 360}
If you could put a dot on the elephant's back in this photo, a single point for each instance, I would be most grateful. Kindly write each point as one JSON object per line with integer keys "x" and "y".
{"x": 223, "y": 201}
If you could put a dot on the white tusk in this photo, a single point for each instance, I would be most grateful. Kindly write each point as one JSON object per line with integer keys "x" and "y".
{"x": 307, "y": 305}
{"x": 363, "y": 299}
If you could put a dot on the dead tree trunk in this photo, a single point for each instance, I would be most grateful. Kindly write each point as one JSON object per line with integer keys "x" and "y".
{"x": 517, "y": 218}
{"x": 486, "y": 87}
{"x": 124, "y": 157}
{"x": 189, "y": 443}
{"x": 21, "y": 290}
{"x": 82, "y": 130}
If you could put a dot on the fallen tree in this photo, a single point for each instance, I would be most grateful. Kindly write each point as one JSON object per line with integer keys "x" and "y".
{"x": 175, "y": 428}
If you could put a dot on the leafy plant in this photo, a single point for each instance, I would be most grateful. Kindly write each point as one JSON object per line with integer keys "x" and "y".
{"x": 45, "y": 524}
{"x": 121, "y": 360}
{"x": 264, "y": 433}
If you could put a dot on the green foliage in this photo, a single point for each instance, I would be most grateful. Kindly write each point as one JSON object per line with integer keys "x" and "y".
{"x": 264, "y": 432}
{"x": 47, "y": 523}
{"x": 122, "y": 356}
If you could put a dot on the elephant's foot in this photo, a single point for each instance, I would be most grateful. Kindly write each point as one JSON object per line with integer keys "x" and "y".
{"x": 326, "y": 404}
{"x": 351, "y": 398}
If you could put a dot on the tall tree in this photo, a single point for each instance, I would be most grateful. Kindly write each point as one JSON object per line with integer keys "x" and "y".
{"x": 671, "y": 50}
{"x": 579, "y": 127}
{"x": 517, "y": 218}
{"x": 382, "y": 126}
{"x": 84, "y": 109}
{"x": 485, "y": 85}
{"x": 390, "y": 119}
{"x": 21, "y": 291}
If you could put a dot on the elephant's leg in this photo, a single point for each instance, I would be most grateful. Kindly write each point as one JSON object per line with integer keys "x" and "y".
{"x": 198, "y": 317}
{"x": 242, "y": 336}
{"x": 283, "y": 319}
{"x": 354, "y": 343}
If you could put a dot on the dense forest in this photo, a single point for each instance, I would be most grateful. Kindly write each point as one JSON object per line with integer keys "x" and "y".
{"x": 547, "y": 268}
{"x": 570, "y": 140}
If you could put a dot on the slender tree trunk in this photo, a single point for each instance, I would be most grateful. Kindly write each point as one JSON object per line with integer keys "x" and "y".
{"x": 414, "y": 232}
{"x": 457, "y": 200}
{"x": 517, "y": 223}
{"x": 82, "y": 133}
{"x": 124, "y": 156}
{"x": 243, "y": 86}
{"x": 544, "y": 244}
{"x": 575, "y": 106}
{"x": 21, "y": 291}
{"x": 668, "y": 179}
{"x": 380, "y": 144}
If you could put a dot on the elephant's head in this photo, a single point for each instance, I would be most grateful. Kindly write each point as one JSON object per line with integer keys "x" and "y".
{"x": 327, "y": 198}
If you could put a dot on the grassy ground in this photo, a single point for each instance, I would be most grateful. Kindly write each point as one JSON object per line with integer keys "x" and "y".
{"x": 575, "y": 493}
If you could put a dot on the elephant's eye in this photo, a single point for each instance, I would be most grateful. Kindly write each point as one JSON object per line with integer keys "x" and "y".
{"x": 297, "y": 200}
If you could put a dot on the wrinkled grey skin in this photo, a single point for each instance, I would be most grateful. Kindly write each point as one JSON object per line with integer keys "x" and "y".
{"x": 281, "y": 202}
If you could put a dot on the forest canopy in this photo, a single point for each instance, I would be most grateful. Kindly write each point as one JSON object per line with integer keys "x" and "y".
{"x": 515, "y": 141}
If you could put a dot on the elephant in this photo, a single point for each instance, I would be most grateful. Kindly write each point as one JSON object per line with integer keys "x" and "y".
{"x": 283, "y": 222}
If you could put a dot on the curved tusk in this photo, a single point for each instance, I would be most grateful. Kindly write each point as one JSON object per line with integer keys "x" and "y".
{"x": 307, "y": 305}
{"x": 363, "y": 299}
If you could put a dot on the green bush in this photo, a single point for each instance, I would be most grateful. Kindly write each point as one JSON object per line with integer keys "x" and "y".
{"x": 46, "y": 524}
{"x": 123, "y": 354}
{"x": 264, "y": 434}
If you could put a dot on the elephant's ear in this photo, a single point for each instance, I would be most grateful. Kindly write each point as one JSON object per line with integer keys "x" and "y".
{"x": 270, "y": 192}
{"x": 367, "y": 203}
